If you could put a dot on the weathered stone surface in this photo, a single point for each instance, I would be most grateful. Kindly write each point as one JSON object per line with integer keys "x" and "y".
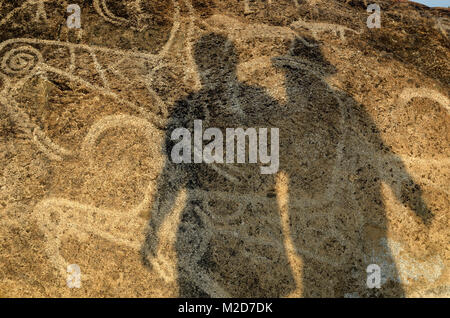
{"x": 85, "y": 140}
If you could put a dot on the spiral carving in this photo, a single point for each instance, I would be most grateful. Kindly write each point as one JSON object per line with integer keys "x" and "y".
{"x": 20, "y": 61}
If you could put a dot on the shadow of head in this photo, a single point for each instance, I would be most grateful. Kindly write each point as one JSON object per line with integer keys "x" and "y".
{"x": 216, "y": 58}
{"x": 305, "y": 54}
{"x": 318, "y": 107}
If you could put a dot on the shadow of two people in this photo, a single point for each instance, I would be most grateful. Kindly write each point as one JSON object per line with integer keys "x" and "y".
{"x": 230, "y": 239}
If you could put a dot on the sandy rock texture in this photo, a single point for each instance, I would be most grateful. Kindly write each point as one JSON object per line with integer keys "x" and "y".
{"x": 86, "y": 117}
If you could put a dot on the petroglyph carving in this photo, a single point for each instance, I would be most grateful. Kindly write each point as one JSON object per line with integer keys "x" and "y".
{"x": 248, "y": 9}
{"x": 20, "y": 61}
{"x": 409, "y": 93}
{"x": 443, "y": 25}
{"x": 247, "y": 4}
{"x": 40, "y": 14}
{"x": 102, "y": 9}
{"x": 58, "y": 216}
{"x": 321, "y": 27}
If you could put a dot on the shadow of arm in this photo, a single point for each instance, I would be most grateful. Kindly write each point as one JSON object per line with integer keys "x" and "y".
{"x": 408, "y": 192}
{"x": 169, "y": 183}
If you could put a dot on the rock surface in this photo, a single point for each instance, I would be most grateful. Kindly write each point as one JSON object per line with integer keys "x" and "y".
{"x": 364, "y": 149}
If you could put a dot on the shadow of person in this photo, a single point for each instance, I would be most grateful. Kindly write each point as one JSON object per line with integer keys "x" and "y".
{"x": 229, "y": 239}
{"x": 338, "y": 170}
